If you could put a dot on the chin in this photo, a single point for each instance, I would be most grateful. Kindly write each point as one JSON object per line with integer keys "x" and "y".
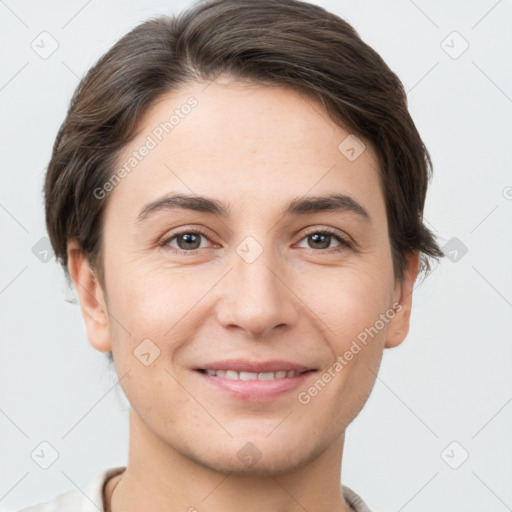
{"x": 258, "y": 455}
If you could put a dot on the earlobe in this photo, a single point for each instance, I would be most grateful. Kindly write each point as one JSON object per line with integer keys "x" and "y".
{"x": 91, "y": 298}
{"x": 399, "y": 326}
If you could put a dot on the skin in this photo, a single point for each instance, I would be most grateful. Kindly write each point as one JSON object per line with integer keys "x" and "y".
{"x": 254, "y": 148}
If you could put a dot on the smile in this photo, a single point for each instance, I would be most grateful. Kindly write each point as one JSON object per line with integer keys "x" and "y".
{"x": 234, "y": 375}
{"x": 254, "y": 386}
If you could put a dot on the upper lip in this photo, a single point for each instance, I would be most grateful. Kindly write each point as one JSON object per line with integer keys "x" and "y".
{"x": 243, "y": 365}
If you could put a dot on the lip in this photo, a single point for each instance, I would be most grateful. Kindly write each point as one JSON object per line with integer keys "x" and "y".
{"x": 255, "y": 390}
{"x": 244, "y": 365}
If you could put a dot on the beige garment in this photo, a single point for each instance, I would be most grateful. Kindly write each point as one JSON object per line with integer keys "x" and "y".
{"x": 91, "y": 500}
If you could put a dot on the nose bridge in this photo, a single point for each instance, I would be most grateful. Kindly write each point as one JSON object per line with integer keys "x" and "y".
{"x": 255, "y": 297}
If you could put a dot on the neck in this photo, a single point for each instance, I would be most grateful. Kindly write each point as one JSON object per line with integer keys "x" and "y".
{"x": 159, "y": 478}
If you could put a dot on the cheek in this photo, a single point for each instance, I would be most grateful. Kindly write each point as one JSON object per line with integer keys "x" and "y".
{"x": 351, "y": 308}
{"x": 150, "y": 301}
{"x": 157, "y": 311}
{"x": 349, "y": 302}
{"x": 154, "y": 394}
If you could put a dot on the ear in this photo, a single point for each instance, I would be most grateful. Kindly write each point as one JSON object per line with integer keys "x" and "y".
{"x": 398, "y": 327}
{"x": 90, "y": 295}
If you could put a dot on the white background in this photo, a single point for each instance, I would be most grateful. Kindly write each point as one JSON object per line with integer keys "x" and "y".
{"x": 449, "y": 381}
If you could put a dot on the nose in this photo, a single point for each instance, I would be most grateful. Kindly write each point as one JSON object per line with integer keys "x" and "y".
{"x": 256, "y": 297}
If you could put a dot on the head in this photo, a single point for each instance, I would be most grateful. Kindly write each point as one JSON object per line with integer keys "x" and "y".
{"x": 301, "y": 238}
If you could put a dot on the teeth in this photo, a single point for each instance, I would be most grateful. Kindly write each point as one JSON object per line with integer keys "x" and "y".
{"x": 232, "y": 375}
{"x": 248, "y": 376}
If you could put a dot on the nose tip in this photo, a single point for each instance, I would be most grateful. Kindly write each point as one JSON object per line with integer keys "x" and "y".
{"x": 256, "y": 300}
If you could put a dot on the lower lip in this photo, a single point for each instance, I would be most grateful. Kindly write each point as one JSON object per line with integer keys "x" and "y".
{"x": 255, "y": 390}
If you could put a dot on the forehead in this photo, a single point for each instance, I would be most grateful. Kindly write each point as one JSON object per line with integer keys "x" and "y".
{"x": 242, "y": 143}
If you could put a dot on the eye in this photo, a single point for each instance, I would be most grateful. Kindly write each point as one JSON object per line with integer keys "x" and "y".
{"x": 188, "y": 241}
{"x": 321, "y": 239}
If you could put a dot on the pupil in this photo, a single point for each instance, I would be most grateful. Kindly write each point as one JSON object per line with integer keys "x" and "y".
{"x": 187, "y": 238}
{"x": 326, "y": 238}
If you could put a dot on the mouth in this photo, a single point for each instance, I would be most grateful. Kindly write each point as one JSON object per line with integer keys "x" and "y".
{"x": 254, "y": 381}
{"x": 246, "y": 376}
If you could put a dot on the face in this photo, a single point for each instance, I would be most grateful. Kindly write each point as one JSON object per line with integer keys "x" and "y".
{"x": 250, "y": 275}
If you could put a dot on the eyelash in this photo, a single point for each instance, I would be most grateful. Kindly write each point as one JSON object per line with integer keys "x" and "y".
{"x": 344, "y": 243}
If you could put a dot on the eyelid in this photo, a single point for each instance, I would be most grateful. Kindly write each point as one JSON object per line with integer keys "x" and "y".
{"x": 328, "y": 230}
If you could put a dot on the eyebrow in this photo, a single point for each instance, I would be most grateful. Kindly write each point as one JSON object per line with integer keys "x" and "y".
{"x": 298, "y": 206}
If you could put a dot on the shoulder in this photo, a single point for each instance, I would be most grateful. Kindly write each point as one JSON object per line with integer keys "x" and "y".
{"x": 67, "y": 501}
{"x": 89, "y": 499}
{"x": 354, "y": 501}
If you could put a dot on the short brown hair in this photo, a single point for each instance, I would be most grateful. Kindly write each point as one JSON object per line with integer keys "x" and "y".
{"x": 287, "y": 43}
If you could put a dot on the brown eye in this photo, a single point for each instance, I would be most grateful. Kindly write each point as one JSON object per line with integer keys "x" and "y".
{"x": 321, "y": 240}
{"x": 187, "y": 241}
